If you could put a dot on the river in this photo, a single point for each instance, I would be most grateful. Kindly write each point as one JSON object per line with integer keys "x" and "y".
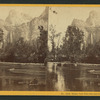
{"x": 53, "y": 77}
{"x": 73, "y": 77}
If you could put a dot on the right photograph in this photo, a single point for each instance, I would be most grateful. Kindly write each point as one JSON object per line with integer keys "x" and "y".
{"x": 73, "y": 49}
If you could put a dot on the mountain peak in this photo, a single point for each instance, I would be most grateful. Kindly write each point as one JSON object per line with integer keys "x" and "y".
{"x": 93, "y": 19}
{"x": 44, "y": 15}
{"x": 12, "y": 12}
{"x": 16, "y": 17}
{"x": 93, "y": 14}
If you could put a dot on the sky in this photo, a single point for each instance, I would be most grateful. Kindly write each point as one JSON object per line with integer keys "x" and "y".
{"x": 31, "y": 11}
{"x": 65, "y": 16}
{"x": 62, "y": 19}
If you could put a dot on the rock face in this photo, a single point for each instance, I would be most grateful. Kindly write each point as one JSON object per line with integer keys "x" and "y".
{"x": 82, "y": 26}
{"x": 93, "y": 19}
{"x": 42, "y": 20}
{"x": 19, "y": 25}
{"x": 90, "y": 27}
{"x": 16, "y": 18}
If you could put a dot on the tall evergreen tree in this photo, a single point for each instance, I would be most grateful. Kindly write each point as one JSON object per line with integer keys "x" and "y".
{"x": 73, "y": 42}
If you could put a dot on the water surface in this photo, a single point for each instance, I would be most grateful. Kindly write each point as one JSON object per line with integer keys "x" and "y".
{"x": 53, "y": 77}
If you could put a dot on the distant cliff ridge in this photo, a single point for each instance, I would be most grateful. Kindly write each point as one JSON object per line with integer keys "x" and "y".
{"x": 19, "y": 25}
{"x": 90, "y": 27}
{"x": 16, "y": 18}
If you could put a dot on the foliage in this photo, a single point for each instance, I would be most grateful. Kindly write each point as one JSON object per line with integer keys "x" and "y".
{"x": 72, "y": 42}
{"x": 92, "y": 53}
{"x": 20, "y": 51}
{"x": 43, "y": 44}
{"x": 1, "y": 35}
{"x": 52, "y": 38}
{"x": 23, "y": 51}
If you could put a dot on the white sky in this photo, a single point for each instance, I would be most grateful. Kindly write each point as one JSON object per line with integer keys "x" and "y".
{"x": 32, "y": 11}
{"x": 61, "y": 20}
{"x": 66, "y": 15}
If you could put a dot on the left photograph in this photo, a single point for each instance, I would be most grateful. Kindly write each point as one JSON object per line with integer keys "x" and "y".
{"x": 23, "y": 48}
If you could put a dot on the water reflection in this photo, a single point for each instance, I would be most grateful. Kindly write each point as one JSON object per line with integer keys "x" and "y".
{"x": 75, "y": 78}
{"x": 60, "y": 83}
{"x": 58, "y": 79}
{"x": 54, "y": 77}
{"x": 29, "y": 78}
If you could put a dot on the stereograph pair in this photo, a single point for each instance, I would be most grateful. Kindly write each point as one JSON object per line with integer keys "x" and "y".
{"x": 49, "y": 48}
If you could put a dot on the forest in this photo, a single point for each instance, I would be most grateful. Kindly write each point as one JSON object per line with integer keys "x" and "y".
{"x": 21, "y": 51}
{"x": 73, "y": 47}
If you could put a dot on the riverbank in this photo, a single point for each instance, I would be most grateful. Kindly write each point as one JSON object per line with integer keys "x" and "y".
{"x": 15, "y": 63}
{"x": 51, "y": 63}
{"x": 74, "y": 64}
{"x": 34, "y": 66}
